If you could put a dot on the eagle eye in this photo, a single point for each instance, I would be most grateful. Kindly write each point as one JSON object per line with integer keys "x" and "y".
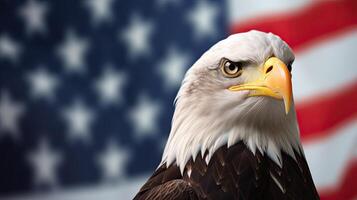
{"x": 231, "y": 69}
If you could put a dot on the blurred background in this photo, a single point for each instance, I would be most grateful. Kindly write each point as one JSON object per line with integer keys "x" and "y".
{"x": 87, "y": 88}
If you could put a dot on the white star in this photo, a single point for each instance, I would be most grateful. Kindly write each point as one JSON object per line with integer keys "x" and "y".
{"x": 110, "y": 86}
{"x": 43, "y": 84}
{"x": 144, "y": 116}
{"x": 44, "y": 162}
{"x": 9, "y": 49}
{"x": 33, "y": 14}
{"x": 113, "y": 161}
{"x": 10, "y": 114}
{"x": 173, "y": 67}
{"x": 72, "y": 51}
{"x": 137, "y": 36}
{"x": 203, "y": 18}
{"x": 100, "y": 10}
{"x": 79, "y": 119}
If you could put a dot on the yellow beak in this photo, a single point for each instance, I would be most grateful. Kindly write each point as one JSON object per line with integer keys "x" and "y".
{"x": 274, "y": 81}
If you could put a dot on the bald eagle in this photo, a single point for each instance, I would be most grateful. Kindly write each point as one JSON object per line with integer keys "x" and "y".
{"x": 234, "y": 132}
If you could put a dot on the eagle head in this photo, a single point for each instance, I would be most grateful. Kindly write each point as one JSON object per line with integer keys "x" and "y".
{"x": 239, "y": 90}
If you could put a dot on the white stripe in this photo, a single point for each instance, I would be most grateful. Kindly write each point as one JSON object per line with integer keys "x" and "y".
{"x": 124, "y": 190}
{"x": 329, "y": 157}
{"x": 240, "y": 10}
{"x": 326, "y": 67}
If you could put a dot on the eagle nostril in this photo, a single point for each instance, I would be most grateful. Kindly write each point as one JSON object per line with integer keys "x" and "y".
{"x": 269, "y": 69}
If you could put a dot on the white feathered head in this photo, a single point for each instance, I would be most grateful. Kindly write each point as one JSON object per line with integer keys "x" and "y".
{"x": 240, "y": 89}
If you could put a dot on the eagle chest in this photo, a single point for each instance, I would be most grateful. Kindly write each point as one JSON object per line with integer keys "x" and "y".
{"x": 237, "y": 173}
{"x": 232, "y": 173}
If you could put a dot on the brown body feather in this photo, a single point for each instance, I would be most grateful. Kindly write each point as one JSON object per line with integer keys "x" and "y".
{"x": 232, "y": 173}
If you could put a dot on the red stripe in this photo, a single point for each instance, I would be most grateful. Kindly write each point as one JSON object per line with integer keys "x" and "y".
{"x": 319, "y": 115}
{"x": 306, "y": 25}
{"x": 346, "y": 189}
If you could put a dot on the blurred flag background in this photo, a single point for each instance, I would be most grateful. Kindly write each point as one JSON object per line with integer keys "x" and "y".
{"x": 87, "y": 88}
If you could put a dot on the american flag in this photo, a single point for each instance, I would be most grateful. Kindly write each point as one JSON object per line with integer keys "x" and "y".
{"x": 87, "y": 88}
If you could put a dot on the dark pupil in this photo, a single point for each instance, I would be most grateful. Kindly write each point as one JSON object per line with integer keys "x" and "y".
{"x": 231, "y": 67}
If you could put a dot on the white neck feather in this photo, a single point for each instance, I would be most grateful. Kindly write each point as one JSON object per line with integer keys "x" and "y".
{"x": 195, "y": 131}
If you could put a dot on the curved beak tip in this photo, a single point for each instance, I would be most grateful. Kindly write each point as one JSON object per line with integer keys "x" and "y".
{"x": 287, "y": 105}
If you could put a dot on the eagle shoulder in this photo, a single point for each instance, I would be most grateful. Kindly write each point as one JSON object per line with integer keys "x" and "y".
{"x": 166, "y": 183}
{"x": 175, "y": 190}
